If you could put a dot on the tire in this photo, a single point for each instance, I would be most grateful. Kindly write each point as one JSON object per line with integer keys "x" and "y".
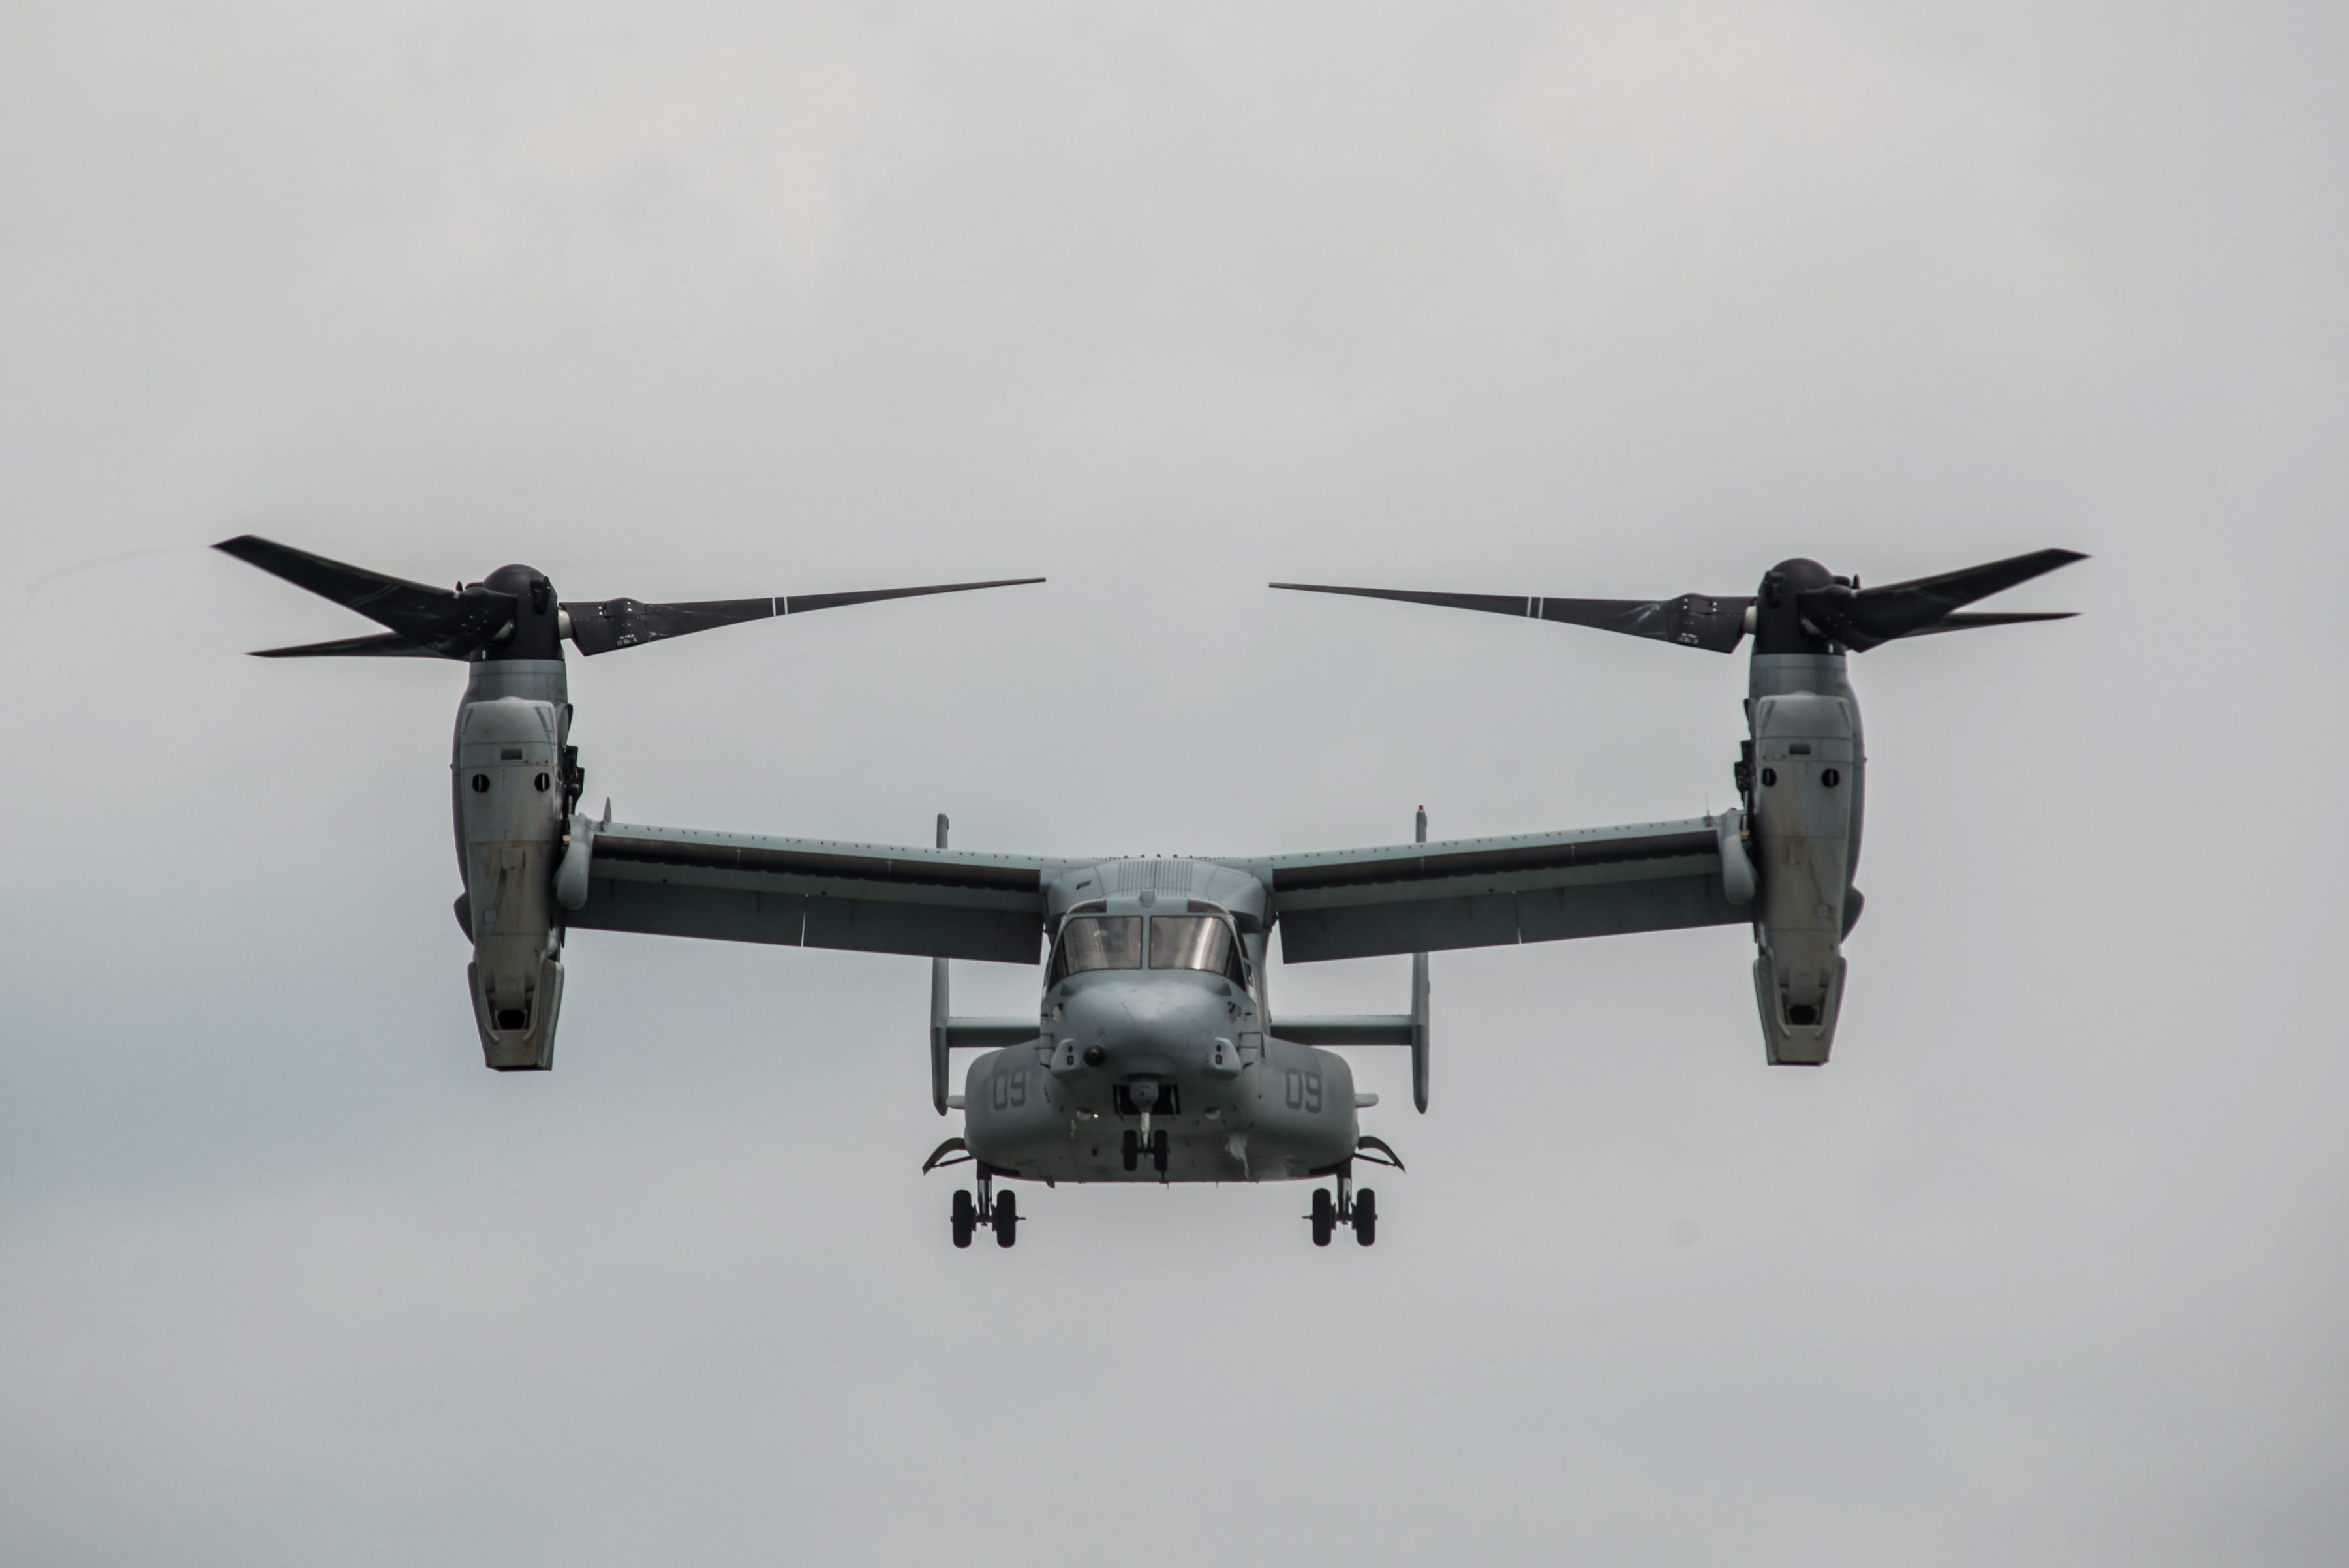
{"x": 1158, "y": 1148}
{"x": 1325, "y": 1216}
{"x": 1366, "y": 1216}
{"x": 1006, "y": 1219}
{"x": 1129, "y": 1146}
{"x": 966, "y": 1218}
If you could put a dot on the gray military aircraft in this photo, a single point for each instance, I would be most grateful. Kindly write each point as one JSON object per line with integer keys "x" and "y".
{"x": 1155, "y": 1053}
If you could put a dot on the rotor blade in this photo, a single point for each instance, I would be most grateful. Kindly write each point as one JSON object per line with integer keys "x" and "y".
{"x": 1693, "y": 620}
{"x": 454, "y": 625}
{"x": 1494, "y": 604}
{"x": 382, "y": 645}
{"x": 601, "y": 627}
{"x": 801, "y": 604}
{"x": 1864, "y": 618}
{"x": 1968, "y": 622}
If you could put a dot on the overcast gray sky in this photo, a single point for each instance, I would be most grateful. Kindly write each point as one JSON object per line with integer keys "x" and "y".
{"x": 1167, "y": 301}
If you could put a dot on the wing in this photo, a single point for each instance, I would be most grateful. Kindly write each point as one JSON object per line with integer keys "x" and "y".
{"x": 806, "y": 892}
{"x": 1494, "y": 892}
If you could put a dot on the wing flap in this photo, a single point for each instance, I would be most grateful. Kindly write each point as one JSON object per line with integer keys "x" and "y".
{"x": 809, "y": 893}
{"x": 714, "y": 914}
{"x": 1500, "y": 892}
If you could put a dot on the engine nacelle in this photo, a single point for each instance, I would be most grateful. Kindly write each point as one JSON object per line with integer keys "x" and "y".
{"x": 1805, "y": 783}
{"x": 508, "y": 774}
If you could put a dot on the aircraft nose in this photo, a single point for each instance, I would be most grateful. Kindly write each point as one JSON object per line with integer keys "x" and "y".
{"x": 1126, "y": 1019}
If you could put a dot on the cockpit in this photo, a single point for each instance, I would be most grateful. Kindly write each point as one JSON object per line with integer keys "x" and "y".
{"x": 1203, "y": 939}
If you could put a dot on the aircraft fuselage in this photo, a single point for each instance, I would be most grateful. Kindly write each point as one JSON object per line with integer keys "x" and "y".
{"x": 1152, "y": 1026}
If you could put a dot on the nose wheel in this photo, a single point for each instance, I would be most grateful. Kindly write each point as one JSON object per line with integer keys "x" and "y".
{"x": 1132, "y": 1144}
{"x": 999, "y": 1211}
{"x": 1358, "y": 1211}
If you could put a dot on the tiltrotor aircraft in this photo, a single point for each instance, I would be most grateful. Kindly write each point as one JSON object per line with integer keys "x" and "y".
{"x": 1155, "y": 1053}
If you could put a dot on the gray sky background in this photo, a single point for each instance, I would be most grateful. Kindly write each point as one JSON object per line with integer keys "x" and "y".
{"x": 1166, "y": 301}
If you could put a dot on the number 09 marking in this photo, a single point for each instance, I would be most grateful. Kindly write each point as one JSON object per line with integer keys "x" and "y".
{"x": 1304, "y": 1092}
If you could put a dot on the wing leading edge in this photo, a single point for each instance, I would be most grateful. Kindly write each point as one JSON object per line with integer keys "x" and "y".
{"x": 802, "y": 892}
{"x": 1497, "y": 892}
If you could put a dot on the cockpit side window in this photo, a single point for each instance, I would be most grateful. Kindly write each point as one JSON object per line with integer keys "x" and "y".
{"x": 1195, "y": 942}
{"x": 1096, "y": 942}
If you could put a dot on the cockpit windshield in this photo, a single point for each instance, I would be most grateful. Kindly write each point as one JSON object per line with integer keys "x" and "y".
{"x": 1195, "y": 942}
{"x": 1096, "y": 942}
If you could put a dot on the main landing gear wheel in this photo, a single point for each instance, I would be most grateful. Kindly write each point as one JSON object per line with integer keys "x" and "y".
{"x": 1358, "y": 1211}
{"x": 1130, "y": 1148}
{"x": 999, "y": 1211}
{"x": 1158, "y": 1151}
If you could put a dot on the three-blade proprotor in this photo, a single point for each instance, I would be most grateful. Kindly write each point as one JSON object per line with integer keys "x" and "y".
{"x": 1816, "y": 606}
{"x": 429, "y": 620}
{"x": 515, "y": 613}
{"x": 1862, "y": 618}
{"x": 601, "y": 627}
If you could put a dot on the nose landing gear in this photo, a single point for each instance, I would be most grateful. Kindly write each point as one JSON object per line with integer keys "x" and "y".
{"x": 999, "y": 1211}
{"x": 1131, "y": 1144}
{"x": 1358, "y": 1211}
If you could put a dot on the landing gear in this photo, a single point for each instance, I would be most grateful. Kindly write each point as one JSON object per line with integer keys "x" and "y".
{"x": 1000, "y": 1212}
{"x": 1131, "y": 1144}
{"x": 1359, "y": 1211}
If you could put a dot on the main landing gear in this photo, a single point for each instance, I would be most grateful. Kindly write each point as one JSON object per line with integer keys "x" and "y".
{"x": 999, "y": 1211}
{"x": 1359, "y": 1211}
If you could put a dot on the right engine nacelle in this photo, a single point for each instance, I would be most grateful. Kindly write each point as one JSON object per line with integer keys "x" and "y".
{"x": 1806, "y": 776}
{"x": 509, "y": 809}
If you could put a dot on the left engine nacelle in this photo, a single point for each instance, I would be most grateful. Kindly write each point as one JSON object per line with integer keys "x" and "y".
{"x": 508, "y": 774}
{"x": 1808, "y": 771}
